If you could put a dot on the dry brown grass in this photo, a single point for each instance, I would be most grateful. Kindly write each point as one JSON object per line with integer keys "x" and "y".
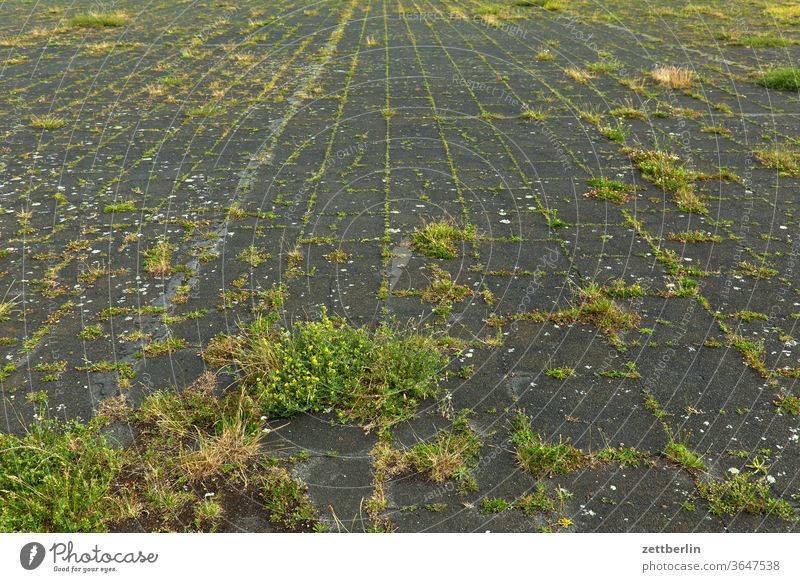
{"x": 156, "y": 89}
{"x": 673, "y": 77}
{"x": 114, "y": 408}
{"x": 234, "y": 446}
{"x": 579, "y": 75}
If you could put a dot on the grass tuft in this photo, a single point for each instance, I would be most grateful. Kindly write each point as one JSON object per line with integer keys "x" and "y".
{"x": 782, "y": 79}
{"x": 746, "y": 493}
{"x": 47, "y": 121}
{"x": 673, "y": 77}
{"x": 157, "y": 260}
{"x": 375, "y": 377}
{"x": 784, "y": 158}
{"x": 100, "y": 20}
{"x": 438, "y": 239}
{"x": 681, "y": 454}
{"x": 609, "y": 190}
{"x": 667, "y": 172}
{"x": 540, "y": 458}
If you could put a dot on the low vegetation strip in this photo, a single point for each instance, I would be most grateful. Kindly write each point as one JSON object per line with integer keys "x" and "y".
{"x": 70, "y": 477}
{"x": 375, "y": 377}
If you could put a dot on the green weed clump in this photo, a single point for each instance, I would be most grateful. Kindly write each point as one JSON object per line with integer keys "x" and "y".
{"x": 609, "y": 190}
{"x": 782, "y": 79}
{"x": 100, "y": 20}
{"x": 450, "y": 455}
{"x": 56, "y": 479}
{"x": 666, "y": 171}
{"x": 784, "y": 158}
{"x": 540, "y": 458}
{"x": 679, "y": 453}
{"x": 438, "y": 239}
{"x": 746, "y": 493}
{"x": 375, "y": 377}
{"x": 48, "y": 121}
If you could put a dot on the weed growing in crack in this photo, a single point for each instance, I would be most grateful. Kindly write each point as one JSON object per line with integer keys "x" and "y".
{"x": 374, "y": 377}
{"x": 540, "y": 458}
{"x": 666, "y": 171}
{"x": 679, "y": 453}
{"x": 782, "y": 79}
{"x": 48, "y": 121}
{"x": 609, "y": 190}
{"x": 100, "y": 20}
{"x": 157, "y": 260}
{"x": 673, "y": 77}
{"x": 561, "y": 373}
{"x": 438, "y": 239}
{"x": 743, "y": 492}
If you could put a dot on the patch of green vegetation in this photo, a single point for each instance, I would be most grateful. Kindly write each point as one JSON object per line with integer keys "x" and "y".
{"x": 652, "y": 404}
{"x": 533, "y": 114}
{"x": 787, "y": 404}
{"x": 561, "y": 373}
{"x": 743, "y": 492}
{"x": 783, "y": 12}
{"x": 716, "y": 129}
{"x": 594, "y": 308}
{"x": 628, "y": 112}
{"x": 128, "y": 206}
{"x": 694, "y": 236}
{"x": 686, "y": 287}
{"x": 604, "y": 66}
{"x": 624, "y": 456}
{"x": 782, "y": 79}
{"x": 337, "y": 256}
{"x": 57, "y": 478}
{"x": 100, "y": 20}
{"x": 609, "y": 190}
{"x": 540, "y": 458}
{"x": 784, "y": 158}
{"x": 553, "y": 221}
{"x": 491, "y": 505}
{"x": 680, "y": 454}
{"x": 6, "y": 308}
{"x": 438, "y": 239}
{"x": 546, "y": 4}
{"x": 189, "y": 442}
{"x": 451, "y": 455}
{"x": 667, "y": 172}
{"x": 286, "y": 499}
{"x": 537, "y": 501}
{"x": 760, "y": 40}
{"x": 163, "y": 347}
{"x": 748, "y": 316}
{"x": 443, "y": 289}
{"x": 579, "y": 75}
{"x": 47, "y": 121}
{"x": 630, "y": 371}
{"x": 253, "y": 256}
{"x": 157, "y": 260}
{"x": 761, "y": 271}
{"x": 205, "y": 110}
{"x": 619, "y": 290}
{"x": 375, "y": 377}
{"x": 616, "y": 133}
{"x": 753, "y": 352}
